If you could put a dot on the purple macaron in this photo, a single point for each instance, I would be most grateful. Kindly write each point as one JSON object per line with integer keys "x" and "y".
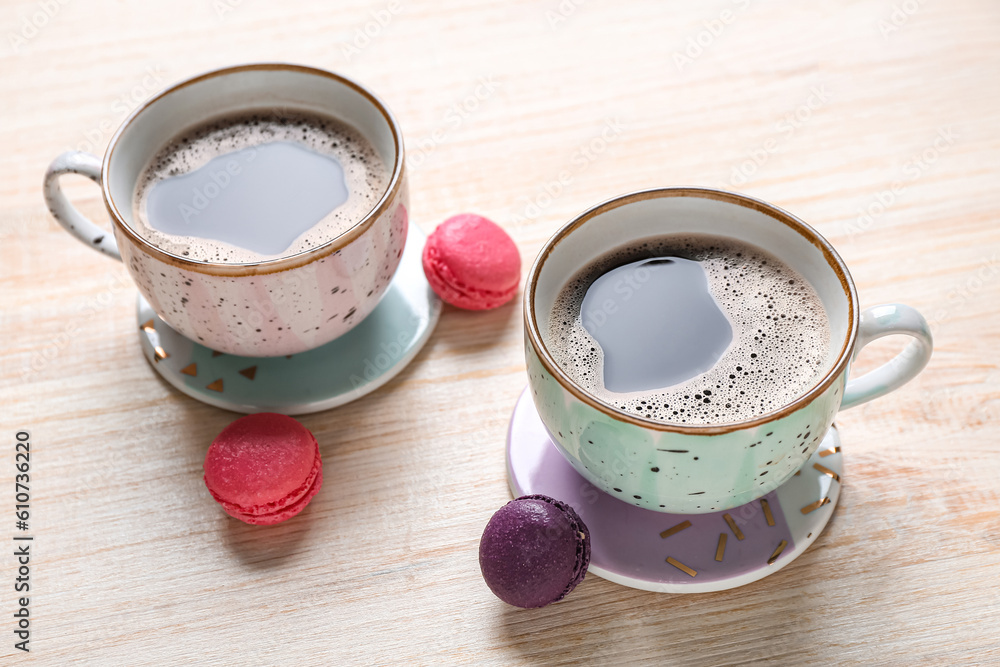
{"x": 534, "y": 551}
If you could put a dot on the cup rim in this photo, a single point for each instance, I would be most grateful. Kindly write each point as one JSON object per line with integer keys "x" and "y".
{"x": 779, "y": 215}
{"x": 269, "y": 265}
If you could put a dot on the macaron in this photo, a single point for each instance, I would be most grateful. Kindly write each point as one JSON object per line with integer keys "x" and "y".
{"x": 534, "y": 551}
{"x": 264, "y": 468}
{"x": 472, "y": 263}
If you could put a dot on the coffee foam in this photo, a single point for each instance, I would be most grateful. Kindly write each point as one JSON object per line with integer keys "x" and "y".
{"x": 365, "y": 174}
{"x": 781, "y": 334}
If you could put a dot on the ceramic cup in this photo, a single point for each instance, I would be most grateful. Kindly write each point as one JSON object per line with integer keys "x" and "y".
{"x": 697, "y": 469}
{"x": 269, "y": 308}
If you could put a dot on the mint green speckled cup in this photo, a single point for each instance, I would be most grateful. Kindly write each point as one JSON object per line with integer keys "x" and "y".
{"x": 696, "y": 469}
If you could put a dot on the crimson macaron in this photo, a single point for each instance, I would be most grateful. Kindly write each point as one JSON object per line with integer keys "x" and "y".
{"x": 264, "y": 468}
{"x": 472, "y": 263}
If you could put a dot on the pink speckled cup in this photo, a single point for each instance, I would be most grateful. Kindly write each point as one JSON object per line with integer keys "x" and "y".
{"x": 269, "y": 308}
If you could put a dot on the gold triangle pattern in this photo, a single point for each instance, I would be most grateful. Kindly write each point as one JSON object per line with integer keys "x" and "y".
{"x": 249, "y": 373}
{"x": 190, "y": 369}
{"x": 215, "y": 386}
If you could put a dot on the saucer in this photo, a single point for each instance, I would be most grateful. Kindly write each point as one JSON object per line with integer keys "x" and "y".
{"x": 357, "y": 363}
{"x": 679, "y": 553}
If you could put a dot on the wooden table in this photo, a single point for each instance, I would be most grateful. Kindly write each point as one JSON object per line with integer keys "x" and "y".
{"x": 878, "y": 122}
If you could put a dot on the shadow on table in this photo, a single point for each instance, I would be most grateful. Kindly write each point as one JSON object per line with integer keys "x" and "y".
{"x": 777, "y": 619}
{"x": 257, "y": 547}
{"x": 468, "y": 330}
{"x": 264, "y": 547}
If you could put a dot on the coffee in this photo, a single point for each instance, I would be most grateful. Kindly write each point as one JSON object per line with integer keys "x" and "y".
{"x": 690, "y": 329}
{"x": 249, "y": 187}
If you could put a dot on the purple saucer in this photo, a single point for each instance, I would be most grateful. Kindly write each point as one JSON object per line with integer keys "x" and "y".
{"x": 679, "y": 553}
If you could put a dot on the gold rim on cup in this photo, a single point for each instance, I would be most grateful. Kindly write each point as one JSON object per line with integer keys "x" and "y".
{"x": 280, "y": 263}
{"x": 777, "y": 214}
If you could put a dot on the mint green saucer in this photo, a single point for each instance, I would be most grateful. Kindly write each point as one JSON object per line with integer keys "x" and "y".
{"x": 357, "y": 363}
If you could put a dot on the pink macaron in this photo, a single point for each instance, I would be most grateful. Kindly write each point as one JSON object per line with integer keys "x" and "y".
{"x": 264, "y": 468}
{"x": 472, "y": 263}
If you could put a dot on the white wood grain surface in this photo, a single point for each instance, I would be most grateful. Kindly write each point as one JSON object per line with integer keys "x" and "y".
{"x": 820, "y": 108}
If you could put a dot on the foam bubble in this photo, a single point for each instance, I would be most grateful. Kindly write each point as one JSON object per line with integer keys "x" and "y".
{"x": 365, "y": 174}
{"x": 781, "y": 334}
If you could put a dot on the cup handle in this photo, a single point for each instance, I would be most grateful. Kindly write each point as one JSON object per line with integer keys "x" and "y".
{"x": 887, "y": 320}
{"x": 85, "y": 164}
